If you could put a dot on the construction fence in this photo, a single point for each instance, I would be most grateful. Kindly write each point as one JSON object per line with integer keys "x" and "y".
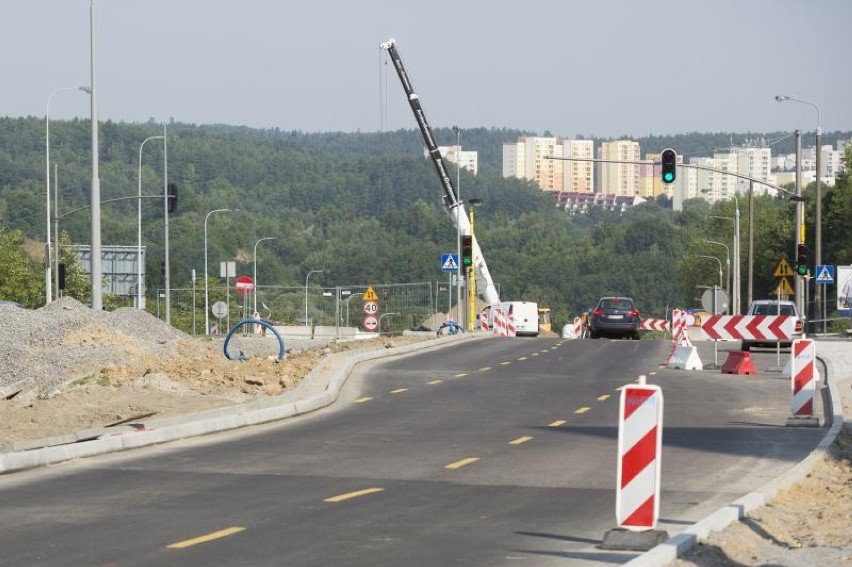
{"x": 400, "y": 306}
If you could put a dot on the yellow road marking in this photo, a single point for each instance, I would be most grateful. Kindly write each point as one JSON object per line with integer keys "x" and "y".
{"x": 461, "y": 375}
{"x": 603, "y": 398}
{"x": 205, "y": 538}
{"x": 433, "y": 382}
{"x": 620, "y": 388}
{"x": 399, "y": 390}
{"x": 582, "y": 410}
{"x": 534, "y": 354}
{"x": 461, "y": 463}
{"x": 558, "y": 422}
{"x": 544, "y": 351}
{"x": 506, "y": 363}
{"x": 485, "y": 369}
{"x": 522, "y": 358}
{"x": 350, "y": 495}
{"x": 652, "y": 373}
{"x": 362, "y": 400}
{"x": 520, "y": 440}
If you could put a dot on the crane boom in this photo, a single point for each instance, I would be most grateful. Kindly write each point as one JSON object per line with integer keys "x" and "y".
{"x": 460, "y": 219}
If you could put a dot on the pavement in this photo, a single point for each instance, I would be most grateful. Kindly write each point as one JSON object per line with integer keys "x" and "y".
{"x": 322, "y": 387}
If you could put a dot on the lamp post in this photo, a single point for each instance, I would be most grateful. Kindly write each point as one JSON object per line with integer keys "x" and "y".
{"x": 255, "y": 270}
{"x": 727, "y": 260}
{"x": 306, "y": 291}
{"x": 206, "y": 278}
{"x": 48, "y": 279}
{"x": 97, "y": 270}
{"x": 139, "y": 226}
{"x": 817, "y": 193}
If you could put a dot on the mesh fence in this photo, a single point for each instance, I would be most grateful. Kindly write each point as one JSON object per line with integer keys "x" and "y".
{"x": 401, "y": 306}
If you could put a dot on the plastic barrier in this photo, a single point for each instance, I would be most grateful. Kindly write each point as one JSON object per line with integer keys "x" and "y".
{"x": 684, "y": 358}
{"x": 803, "y": 379}
{"x": 739, "y": 362}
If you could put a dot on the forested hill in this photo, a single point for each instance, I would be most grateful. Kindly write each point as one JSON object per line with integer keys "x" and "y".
{"x": 367, "y": 206}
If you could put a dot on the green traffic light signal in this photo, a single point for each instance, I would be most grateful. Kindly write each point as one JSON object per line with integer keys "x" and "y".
{"x": 668, "y": 177}
{"x": 467, "y": 251}
{"x": 801, "y": 270}
{"x": 668, "y": 165}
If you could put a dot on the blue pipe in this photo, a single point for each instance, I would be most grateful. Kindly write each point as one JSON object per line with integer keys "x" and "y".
{"x": 260, "y": 322}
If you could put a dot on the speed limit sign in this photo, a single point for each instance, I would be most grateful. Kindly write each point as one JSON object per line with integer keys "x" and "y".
{"x": 371, "y": 307}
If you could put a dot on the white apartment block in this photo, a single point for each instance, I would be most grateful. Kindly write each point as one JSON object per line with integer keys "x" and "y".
{"x": 619, "y": 178}
{"x": 526, "y": 159}
{"x": 466, "y": 159}
{"x": 579, "y": 175}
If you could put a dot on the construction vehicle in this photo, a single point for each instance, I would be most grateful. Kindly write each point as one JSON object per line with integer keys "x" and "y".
{"x": 484, "y": 284}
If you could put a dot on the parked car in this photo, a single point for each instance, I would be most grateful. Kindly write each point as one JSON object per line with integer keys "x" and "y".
{"x": 615, "y": 316}
{"x": 773, "y": 307}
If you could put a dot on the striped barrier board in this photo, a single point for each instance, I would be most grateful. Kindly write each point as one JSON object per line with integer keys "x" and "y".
{"x": 802, "y": 377}
{"x": 749, "y": 327}
{"x": 640, "y": 437}
{"x": 661, "y": 325}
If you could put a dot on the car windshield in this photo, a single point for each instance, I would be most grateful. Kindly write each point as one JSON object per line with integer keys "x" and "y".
{"x": 617, "y": 303}
{"x": 770, "y": 309}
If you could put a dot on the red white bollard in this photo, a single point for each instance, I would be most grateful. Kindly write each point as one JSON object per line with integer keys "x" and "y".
{"x": 510, "y": 326}
{"x": 640, "y": 438}
{"x": 802, "y": 377}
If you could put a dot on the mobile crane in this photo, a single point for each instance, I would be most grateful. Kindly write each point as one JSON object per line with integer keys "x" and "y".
{"x": 454, "y": 206}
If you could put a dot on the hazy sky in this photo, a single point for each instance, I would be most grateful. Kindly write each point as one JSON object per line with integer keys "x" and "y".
{"x": 596, "y": 67}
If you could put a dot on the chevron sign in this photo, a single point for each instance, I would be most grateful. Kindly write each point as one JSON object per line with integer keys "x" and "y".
{"x": 661, "y": 325}
{"x": 750, "y": 327}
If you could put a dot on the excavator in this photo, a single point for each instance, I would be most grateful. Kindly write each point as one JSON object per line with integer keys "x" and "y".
{"x": 484, "y": 284}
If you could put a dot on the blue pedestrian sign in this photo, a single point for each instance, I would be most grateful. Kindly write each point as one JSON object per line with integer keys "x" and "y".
{"x": 825, "y": 274}
{"x": 449, "y": 262}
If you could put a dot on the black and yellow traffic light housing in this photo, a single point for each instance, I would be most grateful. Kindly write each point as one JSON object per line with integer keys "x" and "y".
{"x": 801, "y": 259}
{"x": 467, "y": 251}
{"x": 668, "y": 166}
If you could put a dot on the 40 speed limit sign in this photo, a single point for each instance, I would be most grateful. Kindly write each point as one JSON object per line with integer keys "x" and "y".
{"x": 370, "y": 310}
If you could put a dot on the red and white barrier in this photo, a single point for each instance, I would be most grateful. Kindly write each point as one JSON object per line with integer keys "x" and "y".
{"x": 750, "y": 327}
{"x": 573, "y": 330}
{"x": 803, "y": 377}
{"x": 510, "y": 326}
{"x": 640, "y": 437}
{"x": 661, "y": 325}
{"x": 679, "y": 323}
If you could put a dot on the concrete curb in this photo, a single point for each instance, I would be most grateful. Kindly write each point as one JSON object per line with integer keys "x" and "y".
{"x": 684, "y": 541}
{"x": 319, "y": 389}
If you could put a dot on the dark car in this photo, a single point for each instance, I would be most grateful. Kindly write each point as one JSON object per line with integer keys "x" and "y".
{"x": 615, "y": 316}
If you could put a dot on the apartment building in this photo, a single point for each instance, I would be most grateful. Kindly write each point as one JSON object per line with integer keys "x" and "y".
{"x": 466, "y": 159}
{"x": 579, "y": 175}
{"x": 619, "y": 178}
{"x": 526, "y": 159}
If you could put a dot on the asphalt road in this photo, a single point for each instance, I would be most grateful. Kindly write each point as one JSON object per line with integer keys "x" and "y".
{"x": 490, "y": 452}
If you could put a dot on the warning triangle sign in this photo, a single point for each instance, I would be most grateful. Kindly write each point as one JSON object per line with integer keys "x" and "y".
{"x": 370, "y": 295}
{"x": 783, "y": 288}
{"x": 783, "y": 269}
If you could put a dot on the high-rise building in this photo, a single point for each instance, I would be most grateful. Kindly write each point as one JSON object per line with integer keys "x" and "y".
{"x": 579, "y": 175}
{"x": 619, "y": 178}
{"x": 526, "y": 159}
{"x": 466, "y": 159}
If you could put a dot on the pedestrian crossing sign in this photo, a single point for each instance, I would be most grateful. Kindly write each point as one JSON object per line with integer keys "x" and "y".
{"x": 449, "y": 262}
{"x": 825, "y": 274}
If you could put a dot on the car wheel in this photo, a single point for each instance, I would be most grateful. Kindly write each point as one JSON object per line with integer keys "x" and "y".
{"x": 635, "y": 336}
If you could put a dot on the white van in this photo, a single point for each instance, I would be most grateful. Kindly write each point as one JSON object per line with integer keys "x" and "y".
{"x": 526, "y": 317}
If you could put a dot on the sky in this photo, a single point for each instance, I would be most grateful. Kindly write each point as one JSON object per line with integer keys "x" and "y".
{"x": 593, "y": 68}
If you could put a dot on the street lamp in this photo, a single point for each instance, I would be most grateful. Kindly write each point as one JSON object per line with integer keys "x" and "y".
{"x": 727, "y": 260}
{"x": 97, "y": 270}
{"x": 206, "y": 278}
{"x": 306, "y": 291}
{"x": 255, "y": 270}
{"x": 459, "y": 211}
{"x": 720, "y": 267}
{"x": 139, "y": 226}
{"x": 48, "y": 279}
{"x": 817, "y": 192}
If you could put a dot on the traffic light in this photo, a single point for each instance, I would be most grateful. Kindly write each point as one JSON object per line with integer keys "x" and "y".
{"x": 668, "y": 165}
{"x": 801, "y": 259}
{"x": 467, "y": 251}
{"x": 172, "y": 196}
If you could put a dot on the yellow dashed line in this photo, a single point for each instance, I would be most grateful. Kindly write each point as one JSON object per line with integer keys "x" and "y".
{"x": 534, "y": 354}
{"x": 520, "y": 440}
{"x": 506, "y": 363}
{"x": 485, "y": 369}
{"x": 362, "y": 400}
{"x": 651, "y": 373}
{"x": 399, "y": 390}
{"x": 522, "y": 358}
{"x": 350, "y": 495}
{"x": 461, "y": 375}
{"x": 620, "y": 388}
{"x": 461, "y": 463}
{"x": 603, "y": 398}
{"x": 582, "y": 410}
{"x": 558, "y": 422}
{"x": 433, "y": 382}
{"x": 205, "y": 538}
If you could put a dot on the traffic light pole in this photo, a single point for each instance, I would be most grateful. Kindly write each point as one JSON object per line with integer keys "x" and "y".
{"x": 471, "y": 282}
